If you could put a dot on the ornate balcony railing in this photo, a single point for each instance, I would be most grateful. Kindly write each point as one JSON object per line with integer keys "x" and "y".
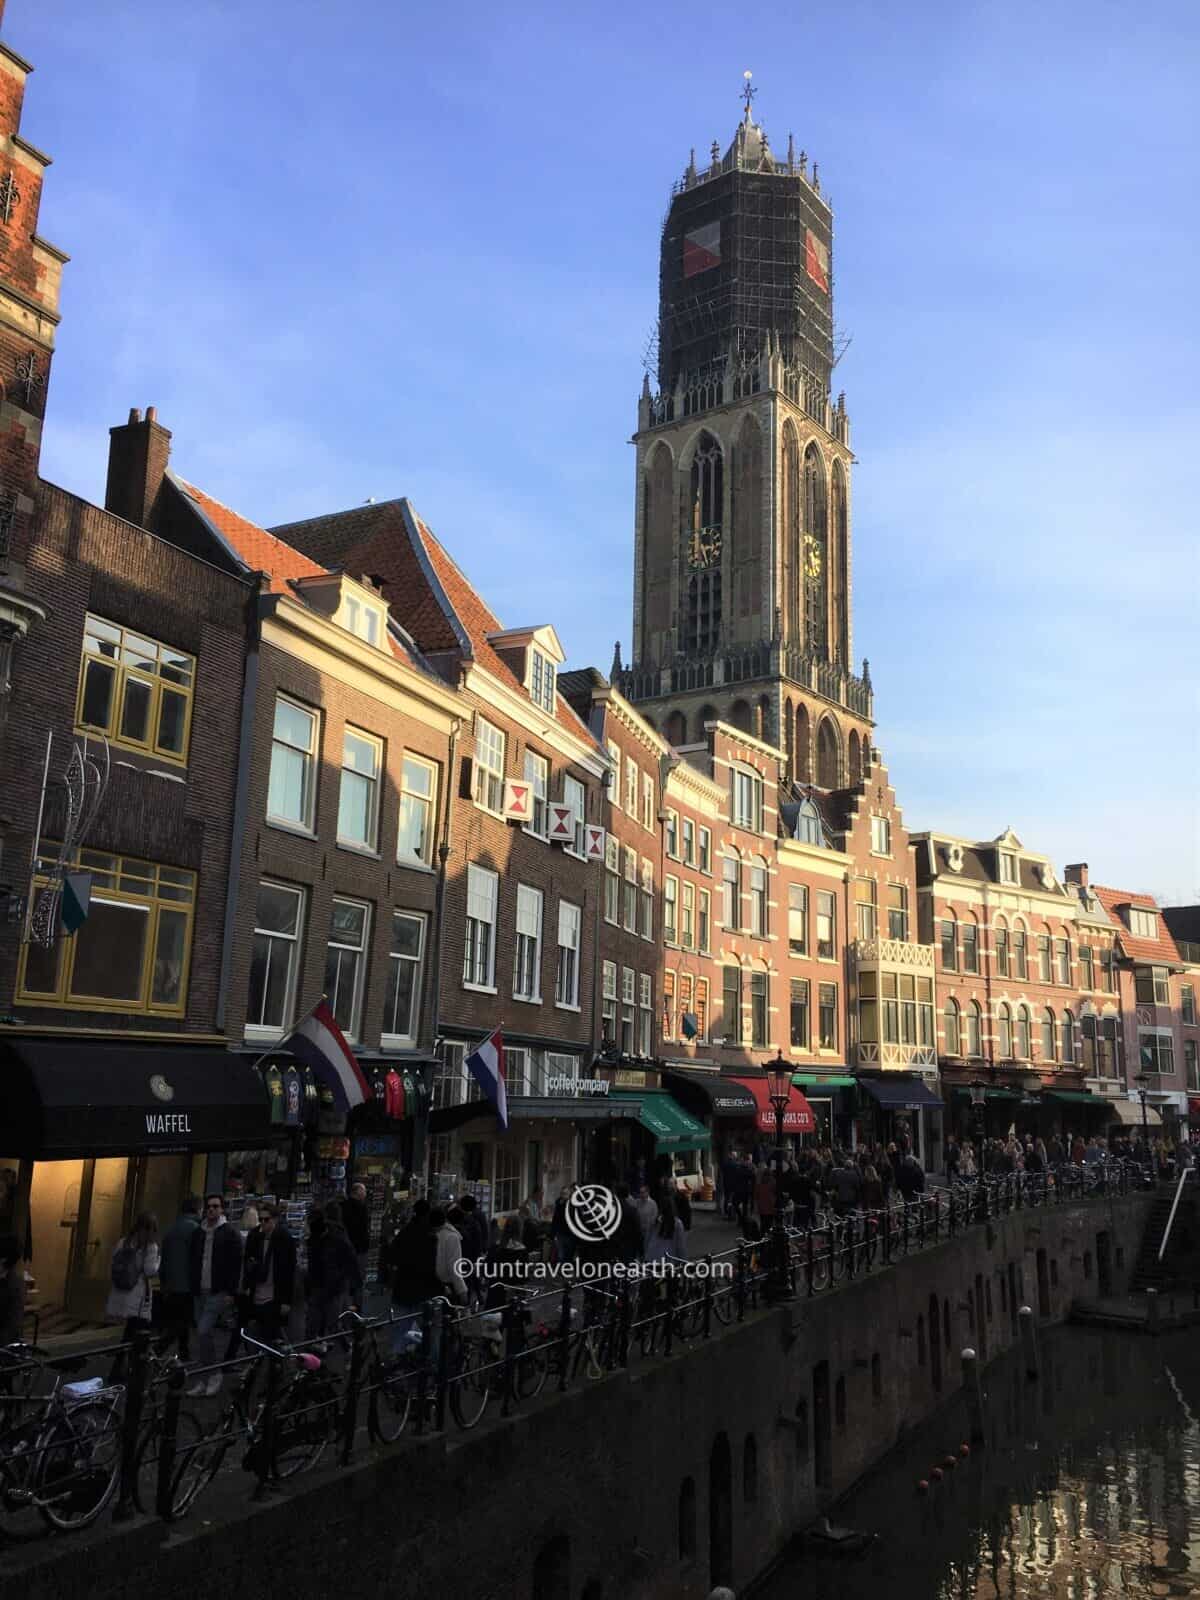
{"x": 894, "y": 953}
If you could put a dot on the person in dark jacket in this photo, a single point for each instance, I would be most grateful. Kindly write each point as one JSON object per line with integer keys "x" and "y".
{"x": 269, "y": 1276}
{"x": 411, "y": 1261}
{"x": 356, "y": 1217}
{"x": 627, "y": 1243}
{"x": 175, "y": 1277}
{"x": 216, "y": 1277}
{"x": 910, "y": 1180}
{"x": 334, "y": 1278}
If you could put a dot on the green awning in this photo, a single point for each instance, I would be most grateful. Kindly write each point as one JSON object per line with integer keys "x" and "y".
{"x": 991, "y": 1094}
{"x": 1077, "y": 1096}
{"x": 673, "y": 1128}
{"x": 815, "y": 1080}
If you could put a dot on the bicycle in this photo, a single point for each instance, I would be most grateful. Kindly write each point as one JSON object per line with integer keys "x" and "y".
{"x": 292, "y": 1439}
{"x": 188, "y": 1434}
{"x": 61, "y": 1465}
{"x": 393, "y": 1378}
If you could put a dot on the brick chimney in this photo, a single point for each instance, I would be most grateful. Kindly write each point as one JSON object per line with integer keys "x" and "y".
{"x": 1078, "y": 873}
{"x": 138, "y": 453}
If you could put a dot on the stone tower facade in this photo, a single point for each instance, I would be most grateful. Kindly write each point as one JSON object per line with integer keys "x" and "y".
{"x": 742, "y": 577}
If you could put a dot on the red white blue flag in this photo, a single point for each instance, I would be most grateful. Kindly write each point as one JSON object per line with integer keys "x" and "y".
{"x": 486, "y": 1066}
{"x": 321, "y": 1045}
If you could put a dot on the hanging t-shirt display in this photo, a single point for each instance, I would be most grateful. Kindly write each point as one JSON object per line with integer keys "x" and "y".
{"x": 275, "y": 1091}
{"x": 293, "y": 1095}
{"x": 393, "y": 1098}
{"x": 312, "y": 1100}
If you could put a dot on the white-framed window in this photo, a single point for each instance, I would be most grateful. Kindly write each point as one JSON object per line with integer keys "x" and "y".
{"x": 670, "y": 905}
{"x": 487, "y": 778}
{"x": 974, "y": 1029}
{"x": 647, "y": 801}
{"x": 631, "y": 889}
{"x": 1024, "y": 1034}
{"x": 1187, "y": 1004}
{"x": 357, "y": 617}
{"x": 747, "y": 800}
{"x": 541, "y": 680}
{"x": 1008, "y": 867}
{"x": 671, "y": 835}
{"x": 418, "y": 807}
{"x": 687, "y": 916}
{"x": 1049, "y": 1035}
{"x": 506, "y": 1176}
{"x": 1068, "y": 1037}
{"x": 731, "y": 891}
{"x": 575, "y": 796}
{"x": 358, "y": 797}
{"x": 881, "y": 836}
{"x": 614, "y": 755}
{"x": 561, "y": 1066}
{"x": 826, "y": 925}
{"x": 1156, "y": 1048}
{"x": 628, "y": 1006}
{"x": 970, "y": 946}
{"x": 519, "y": 1074}
{"x": 798, "y": 919}
{"x": 668, "y": 1010}
{"x": 292, "y": 787}
{"x": 1143, "y": 924}
{"x": 758, "y": 898}
{"x": 689, "y": 841}
{"x": 566, "y": 981}
{"x": 1043, "y": 954}
{"x": 537, "y": 776}
{"x": 1004, "y": 1037}
{"x": 1062, "y": 961}
{"x": 952, "y": 1028}
{"x": 527, "y": 958}
{"x": 453, "y": 1085}
{"x": 646, "y": 928}
{"x": 705, "y": 857}
{"x": 1152, "y": 986}
{"x": 346, "y": 963}
{"x": 645, "y": 1014}
{"x": 612, "y": 881}
{"x": 866, "y": 907}
{"x": 608, "y": 1001}
{"x": 406, "y": 958}
{"x": 703, "y": 920}
{"x": 632, "y": 775}
{"x": 479, "y": 950}
{"x": 275, "y": 957}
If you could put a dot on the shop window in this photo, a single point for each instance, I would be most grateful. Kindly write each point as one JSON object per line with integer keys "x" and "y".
{"x": 131, "y": 954}
{"x": 402, "y": 1003}
{"x": 274, "y": 958}
{"x": 135, "y": 690}
{"x": 506, "y": 1179}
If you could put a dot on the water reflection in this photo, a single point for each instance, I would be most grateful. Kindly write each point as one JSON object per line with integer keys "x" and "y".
{"x": 1089, "y": 1487}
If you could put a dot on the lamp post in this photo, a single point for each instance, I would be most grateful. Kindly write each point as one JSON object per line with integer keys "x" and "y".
{"x": 978, "y": 1098}
{"x": 1141, "y": 1080}
{"x": 779, "y": 1088}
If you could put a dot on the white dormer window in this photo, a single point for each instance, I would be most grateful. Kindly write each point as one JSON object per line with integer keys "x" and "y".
{"x": 541, "y": 680}
{"x": 1008, "y": 867}
{"x": 1143, "y": 924}
{"x": 362, "y": 619}
{"x": 881, "y": 836}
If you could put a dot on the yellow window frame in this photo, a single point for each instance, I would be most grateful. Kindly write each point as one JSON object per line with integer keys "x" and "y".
{"x": 163, "y": 895}
{"x": 154, "y": 681}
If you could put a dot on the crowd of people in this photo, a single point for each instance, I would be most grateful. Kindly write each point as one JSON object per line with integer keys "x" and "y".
{"x": 1030, "y": 1153}
{"x": 829, "y": 1178}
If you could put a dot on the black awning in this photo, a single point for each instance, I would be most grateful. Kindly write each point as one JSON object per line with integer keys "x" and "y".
{"x": 901, "y": 1093}
{"x": 84, "y": 1097}
{"x": 713, "y": 1094}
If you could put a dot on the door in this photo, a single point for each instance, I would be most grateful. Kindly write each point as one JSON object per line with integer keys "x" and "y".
{"x": 102, "y": 1221}
{"x": 158, "y": 1186}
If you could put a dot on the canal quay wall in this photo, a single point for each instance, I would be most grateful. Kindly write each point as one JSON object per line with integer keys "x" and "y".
{"x": 649, "y": 1484}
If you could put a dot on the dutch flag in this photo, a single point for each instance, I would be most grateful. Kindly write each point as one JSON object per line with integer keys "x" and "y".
{"x": 486, "y": 1066}
{"x": 321, "y": 1045}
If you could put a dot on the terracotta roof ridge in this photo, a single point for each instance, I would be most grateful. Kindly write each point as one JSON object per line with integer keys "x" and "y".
{"x": 346, "y": 511}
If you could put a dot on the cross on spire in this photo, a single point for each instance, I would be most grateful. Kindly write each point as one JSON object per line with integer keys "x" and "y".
{"x": 748, "y": 91}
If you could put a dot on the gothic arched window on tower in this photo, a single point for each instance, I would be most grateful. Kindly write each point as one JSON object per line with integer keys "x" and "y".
{"x": 815, "y": 553}
{"x": 829, "y": 755}
{"x": 792, "y": 551}
{"x": 704, "y": 539}
{"x": 839, "y": 533}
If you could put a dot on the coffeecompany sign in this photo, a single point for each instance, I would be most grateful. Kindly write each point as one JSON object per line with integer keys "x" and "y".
{"x": 575, "y": 1088}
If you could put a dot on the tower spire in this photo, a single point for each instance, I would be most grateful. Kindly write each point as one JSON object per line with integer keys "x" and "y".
{"x": 748, "y": 93}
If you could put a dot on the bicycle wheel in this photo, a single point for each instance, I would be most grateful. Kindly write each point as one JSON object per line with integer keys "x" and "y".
{"x": 149, "y": 1449}
{"x": 304, "y": 1423}
{"x": 80, "y": 1465}
{"x": 20, "y": 1517}
{"x": 470, "y": 1383}
{"x": 392, "y": 1398}
{"x": 532, "y": 1368}
{"x": 822, "y": 1272}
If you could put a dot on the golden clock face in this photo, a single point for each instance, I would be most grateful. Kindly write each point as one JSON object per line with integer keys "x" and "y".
{"x": 704, "y": 549}
{"x": 812, "y": 557}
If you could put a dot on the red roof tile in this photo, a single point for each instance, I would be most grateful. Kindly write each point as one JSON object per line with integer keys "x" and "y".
{"x": 260, "y": 550}
{"x": 1161, "y": 949}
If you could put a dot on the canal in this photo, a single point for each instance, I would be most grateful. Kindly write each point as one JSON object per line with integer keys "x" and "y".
{"x": 1088, "y": 1487}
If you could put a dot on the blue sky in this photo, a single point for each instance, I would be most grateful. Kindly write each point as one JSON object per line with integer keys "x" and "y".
{"x": 380, "y": 250}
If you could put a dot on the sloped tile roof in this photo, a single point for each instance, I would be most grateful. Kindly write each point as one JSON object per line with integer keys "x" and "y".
{"x": 260, "y": 550}
{"x": 1162, "y": 949}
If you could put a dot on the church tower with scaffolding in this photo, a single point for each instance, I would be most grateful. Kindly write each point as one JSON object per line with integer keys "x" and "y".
{"x": 742, "y": 578}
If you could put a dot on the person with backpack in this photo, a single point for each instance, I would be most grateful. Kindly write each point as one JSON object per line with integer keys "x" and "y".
{"x": 130, "y": 1299}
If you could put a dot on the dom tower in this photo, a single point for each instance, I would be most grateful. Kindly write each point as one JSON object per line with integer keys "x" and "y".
{"x": 742, "y": 559}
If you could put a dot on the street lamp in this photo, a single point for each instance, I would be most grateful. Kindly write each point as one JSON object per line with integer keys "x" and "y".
{"x": 1141, "y": 1080}
{"x": 779, "y": 1089}
{"x": 978, "y": 1098}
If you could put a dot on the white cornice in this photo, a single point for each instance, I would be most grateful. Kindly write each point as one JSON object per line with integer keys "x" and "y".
{"x": 541, "y": 724}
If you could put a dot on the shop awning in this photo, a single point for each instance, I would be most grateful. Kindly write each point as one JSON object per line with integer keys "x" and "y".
{"x": 900, "y": 1093}
{"x": 1075, "y": 1096}
{"x": 1129, "y": 1113}
{"x": 720, "y": 1095}
{"x": 63, "y": 1098}
{"x": 665, "y": 1118}
{"x": 797, "y": 1117}
{"x": 828, "y": 1080}
{"x": 989, "y": 1094}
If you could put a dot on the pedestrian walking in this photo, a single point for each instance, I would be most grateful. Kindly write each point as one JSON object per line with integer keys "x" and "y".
{"x": 411, "y": 1261}
{"x": 175, "y": 1278}
{"x": 334, "y": 1279}
{"x": 356, "y": 1216}
{"x": 131, "y": 1299}
{"x": 216, "y": 1273}
{"x": 270, "y": 1275}
{"x": 12, "y": 1289}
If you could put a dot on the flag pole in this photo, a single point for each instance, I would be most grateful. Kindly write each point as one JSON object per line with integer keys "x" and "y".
{"x": 281, "y": 1042}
